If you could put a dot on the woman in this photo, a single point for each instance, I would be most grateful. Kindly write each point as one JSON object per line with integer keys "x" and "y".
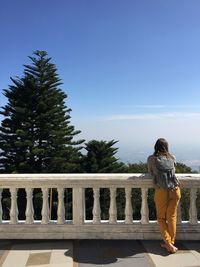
{"x": 166, "y": 199}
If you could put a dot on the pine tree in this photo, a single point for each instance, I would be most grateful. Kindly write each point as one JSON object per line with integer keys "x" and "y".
{"x": 35, "y": 133}
{"x": 100, "y": 157}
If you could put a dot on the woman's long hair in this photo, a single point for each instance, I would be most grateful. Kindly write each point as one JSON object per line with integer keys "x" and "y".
{"x": 161, "y": 148}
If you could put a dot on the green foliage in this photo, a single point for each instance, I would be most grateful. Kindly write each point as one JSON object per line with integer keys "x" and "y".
{"x": 182, "y": 168}
{"x": 37, "y": 203}
{"x": 6, "y": 204}
{"x": 141, "y": 167}
{"x": 104, "y": 203}
{"x": 35, "y": 134}
{"x": 137, "y": 167}
{"x": 68, "y": 203}
{"x": 151, "y": 204}
{"x": 100, "y": 158}
{"x": 136, "y": 203}
{"x": 185, "y": 203}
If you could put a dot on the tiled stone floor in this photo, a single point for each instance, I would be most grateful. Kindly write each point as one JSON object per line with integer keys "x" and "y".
{"x": 93, "y": 253}
{"x": 37, "y": 254}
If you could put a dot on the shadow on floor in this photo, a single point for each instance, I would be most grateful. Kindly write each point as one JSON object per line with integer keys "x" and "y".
{"x": 106, "y": 251}
{"x": 110, "y": 251}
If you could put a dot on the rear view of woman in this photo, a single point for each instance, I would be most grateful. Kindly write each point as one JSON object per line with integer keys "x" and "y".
{"x": 161, "y": 166}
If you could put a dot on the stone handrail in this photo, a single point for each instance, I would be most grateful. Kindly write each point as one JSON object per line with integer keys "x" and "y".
{"x": 78, "y": 227}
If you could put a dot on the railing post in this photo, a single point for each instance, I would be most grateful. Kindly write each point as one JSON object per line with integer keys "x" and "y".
{"x": 96, "y": 207}
{"x": 45, "y": 206}
{"x": 113, "y": 207}
{"x": 61, "y": 206}
{"x": 144, "y": 207}
{"x": 1, "y": 211}
{"x": 29, "y": 206}
{"x": 128, "y": 207}
{"x": 193, "y": 207}
{"x": 14, "y": 208}
{"x": 78, "y": 206}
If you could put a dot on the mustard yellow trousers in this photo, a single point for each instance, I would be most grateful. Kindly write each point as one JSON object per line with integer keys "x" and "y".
{"x": 166, "y": 202}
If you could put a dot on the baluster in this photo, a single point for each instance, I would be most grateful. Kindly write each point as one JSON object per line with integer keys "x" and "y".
{"x": 61, "y": 206}
{"x": 14, "y": 208}
{"x": 29, "y": 206}
{"x": 45, "y": 206}
{"x": 144, "y": 207}
{"x": 113, "y": 208}
{"x": 96, "y": 207}
{"x": 179, "y": 217}
{"x": 78, "y": 206}
{"x": 193, "y": 208}
{"x": 128, "y": 207}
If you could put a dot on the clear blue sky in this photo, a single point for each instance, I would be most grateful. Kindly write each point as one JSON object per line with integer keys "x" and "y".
{"x": 131, "y": 68}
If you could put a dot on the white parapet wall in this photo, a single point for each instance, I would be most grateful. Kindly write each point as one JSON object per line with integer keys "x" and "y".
{"x": 79, "y": 227}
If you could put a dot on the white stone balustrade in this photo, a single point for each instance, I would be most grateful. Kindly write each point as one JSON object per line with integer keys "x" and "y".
{"x": 144, "y": 207}
{"x": 61, "y": 206}
{"x": 128, "y": 207}
{"x": 96, "y": 207}
{"x": 14, "y": 208}
{"x": 29, "y": 206}
{"x": 193, "y": 208}
{"x": 113, "y": 207}
{"x": 79, "y": 227}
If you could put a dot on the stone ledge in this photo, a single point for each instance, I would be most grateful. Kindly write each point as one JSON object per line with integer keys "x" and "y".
{"x": 106, "y": 231}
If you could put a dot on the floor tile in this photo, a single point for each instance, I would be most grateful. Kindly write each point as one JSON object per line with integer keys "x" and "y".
{"x": 38, "y": 258}
{"x": 60, "y": 257}
{"x": 160, "y": 257}
{"x": 13, "y": 257}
